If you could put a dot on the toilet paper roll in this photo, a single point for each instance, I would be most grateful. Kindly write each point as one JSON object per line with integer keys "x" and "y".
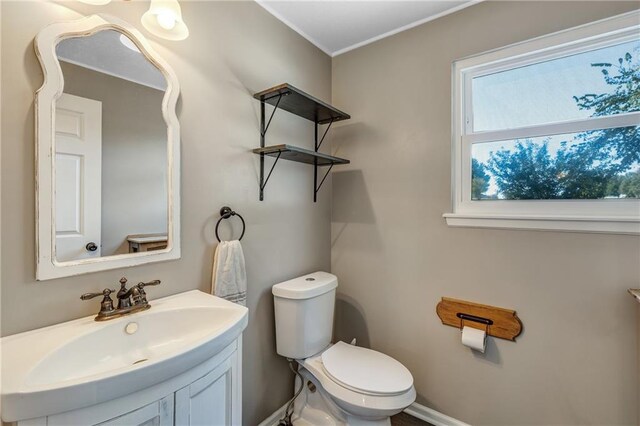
{"x": 474, "y": 338}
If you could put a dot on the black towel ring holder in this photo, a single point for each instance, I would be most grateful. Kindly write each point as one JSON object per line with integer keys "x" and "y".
{"x": 226, "y": 213}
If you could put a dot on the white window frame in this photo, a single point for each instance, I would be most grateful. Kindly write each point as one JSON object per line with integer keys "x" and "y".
{"x": 610, "y": 215}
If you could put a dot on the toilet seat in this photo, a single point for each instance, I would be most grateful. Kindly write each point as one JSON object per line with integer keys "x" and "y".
{"x": 356, "y": 401}
{"x": 365, "y": 371}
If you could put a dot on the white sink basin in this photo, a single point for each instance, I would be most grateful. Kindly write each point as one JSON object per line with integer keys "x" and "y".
{"x": 84, "y": 362}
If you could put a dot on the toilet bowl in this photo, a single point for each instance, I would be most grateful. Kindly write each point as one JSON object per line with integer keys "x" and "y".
{"x": 358, "y": 386}
{"x": 342, "y": 384}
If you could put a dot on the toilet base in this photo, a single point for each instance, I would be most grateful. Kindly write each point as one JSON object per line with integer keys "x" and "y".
{"x": 315, "y": 407}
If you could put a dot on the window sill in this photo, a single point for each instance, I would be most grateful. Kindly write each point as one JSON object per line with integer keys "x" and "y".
{"x": 609, "y": 225}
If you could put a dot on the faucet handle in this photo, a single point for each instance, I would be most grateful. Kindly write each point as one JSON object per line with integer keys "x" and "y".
{"x": 140, "y": 296}
{"x": 106, "y": 293}
{"x": 106, "y": 306}
{"x": 154, "y": 282}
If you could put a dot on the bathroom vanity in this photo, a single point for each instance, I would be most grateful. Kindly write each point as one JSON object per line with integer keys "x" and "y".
{"x": 106, "y": 106}
{"x": 176, "y": 363}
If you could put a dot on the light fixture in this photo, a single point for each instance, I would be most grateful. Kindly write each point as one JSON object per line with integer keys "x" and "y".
{"x": 95, "y": 2}
{"x": 164, "y": 19}
{"x": 127, "y": 42}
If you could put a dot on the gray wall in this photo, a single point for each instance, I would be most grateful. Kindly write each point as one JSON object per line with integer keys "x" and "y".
{"x": 134, "y": 155}
{"x": 576, "y": 362}
{"x": 234, "y": 50}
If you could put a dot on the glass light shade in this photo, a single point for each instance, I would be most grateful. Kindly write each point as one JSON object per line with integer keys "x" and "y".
{"x": 164, "y": 19}
{"x": 127, "y": 42}
{"x": 95, "y": 2}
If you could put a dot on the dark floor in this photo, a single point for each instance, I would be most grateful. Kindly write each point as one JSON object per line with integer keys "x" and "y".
{"x": 404, "y": 419}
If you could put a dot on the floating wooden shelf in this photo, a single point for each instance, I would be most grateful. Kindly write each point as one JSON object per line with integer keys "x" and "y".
{"x": 300, "y": 155}
{"x": 505, "y": 324}
{"x": 301, "y": 104}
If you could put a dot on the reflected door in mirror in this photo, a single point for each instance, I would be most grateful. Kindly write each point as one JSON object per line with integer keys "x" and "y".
{"x": 78, "y": 133}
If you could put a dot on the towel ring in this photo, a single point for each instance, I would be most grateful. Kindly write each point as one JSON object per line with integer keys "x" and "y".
{"x": 226, "y": 213}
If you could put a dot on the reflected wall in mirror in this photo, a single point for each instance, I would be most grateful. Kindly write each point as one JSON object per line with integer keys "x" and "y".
{"x": 109, "y": 188}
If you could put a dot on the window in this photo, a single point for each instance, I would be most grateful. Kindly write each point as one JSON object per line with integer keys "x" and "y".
{"x": 546, "y": 133}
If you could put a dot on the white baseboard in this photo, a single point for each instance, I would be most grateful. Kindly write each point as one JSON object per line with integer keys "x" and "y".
{"x": 416, "y": 410}
{"x": 432, "y": 416}
{"x": 274, "y": 418}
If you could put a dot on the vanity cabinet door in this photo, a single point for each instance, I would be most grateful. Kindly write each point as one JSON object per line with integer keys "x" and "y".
{"x": 208, "y": 400}
{"x": 159, "y": 413}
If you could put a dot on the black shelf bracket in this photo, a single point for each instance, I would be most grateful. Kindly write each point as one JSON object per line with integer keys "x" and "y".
{"x": 323, "y": 135}
{"x": 275, "y": 108}
{"x": 315, "y": 190}
{"x": 316, "y": 144}
{"x": 262, "y": 185}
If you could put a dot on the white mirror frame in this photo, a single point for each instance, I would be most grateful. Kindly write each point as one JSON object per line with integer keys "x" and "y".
{"x": 47, "y": 266}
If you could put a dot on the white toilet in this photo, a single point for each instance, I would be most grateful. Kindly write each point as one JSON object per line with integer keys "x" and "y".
{"x": 343, "y": 384}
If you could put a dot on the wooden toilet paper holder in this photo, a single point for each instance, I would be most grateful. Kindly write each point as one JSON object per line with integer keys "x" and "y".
{"x": 497, "y": 322}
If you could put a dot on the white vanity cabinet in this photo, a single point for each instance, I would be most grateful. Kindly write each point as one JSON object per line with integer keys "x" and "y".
{"x": 209, "y": 400}
{"x": 159, "y": 413}
{"x": 208, "y": 394}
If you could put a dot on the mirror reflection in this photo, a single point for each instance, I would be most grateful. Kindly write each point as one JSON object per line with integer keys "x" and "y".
{"x": 110, "y": 166}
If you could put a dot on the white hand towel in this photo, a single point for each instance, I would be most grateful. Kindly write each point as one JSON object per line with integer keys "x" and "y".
{"x": 229, "y": 278}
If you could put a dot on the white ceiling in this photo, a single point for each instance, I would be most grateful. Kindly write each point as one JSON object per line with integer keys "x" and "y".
{"x": 105, "y": 52}
{"x": 337, "y": 26}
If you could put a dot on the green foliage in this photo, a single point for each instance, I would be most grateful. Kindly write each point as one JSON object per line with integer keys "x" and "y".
{"x": 626, "y": 84}
{"x": 593, "y": 165}
{"x": 627, "y": 185}
{"x": 479, "y": 179}
{"x": 615, "y": 149}
{"x": 630, "y": 185}
{"x": 528, "y": 172}
{"x": 580, "y": 176}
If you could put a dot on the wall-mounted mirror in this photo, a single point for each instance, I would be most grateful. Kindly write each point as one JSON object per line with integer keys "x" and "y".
{"x": 108, "y": 150}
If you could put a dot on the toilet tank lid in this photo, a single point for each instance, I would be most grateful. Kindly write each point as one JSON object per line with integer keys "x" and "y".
{"x": 307, "y": 286}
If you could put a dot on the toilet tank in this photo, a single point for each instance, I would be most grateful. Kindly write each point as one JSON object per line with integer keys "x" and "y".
{"x": 304, "y": 314}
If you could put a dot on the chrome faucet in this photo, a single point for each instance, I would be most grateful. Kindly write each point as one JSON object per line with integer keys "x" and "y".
{"x": 130, "y": 300}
